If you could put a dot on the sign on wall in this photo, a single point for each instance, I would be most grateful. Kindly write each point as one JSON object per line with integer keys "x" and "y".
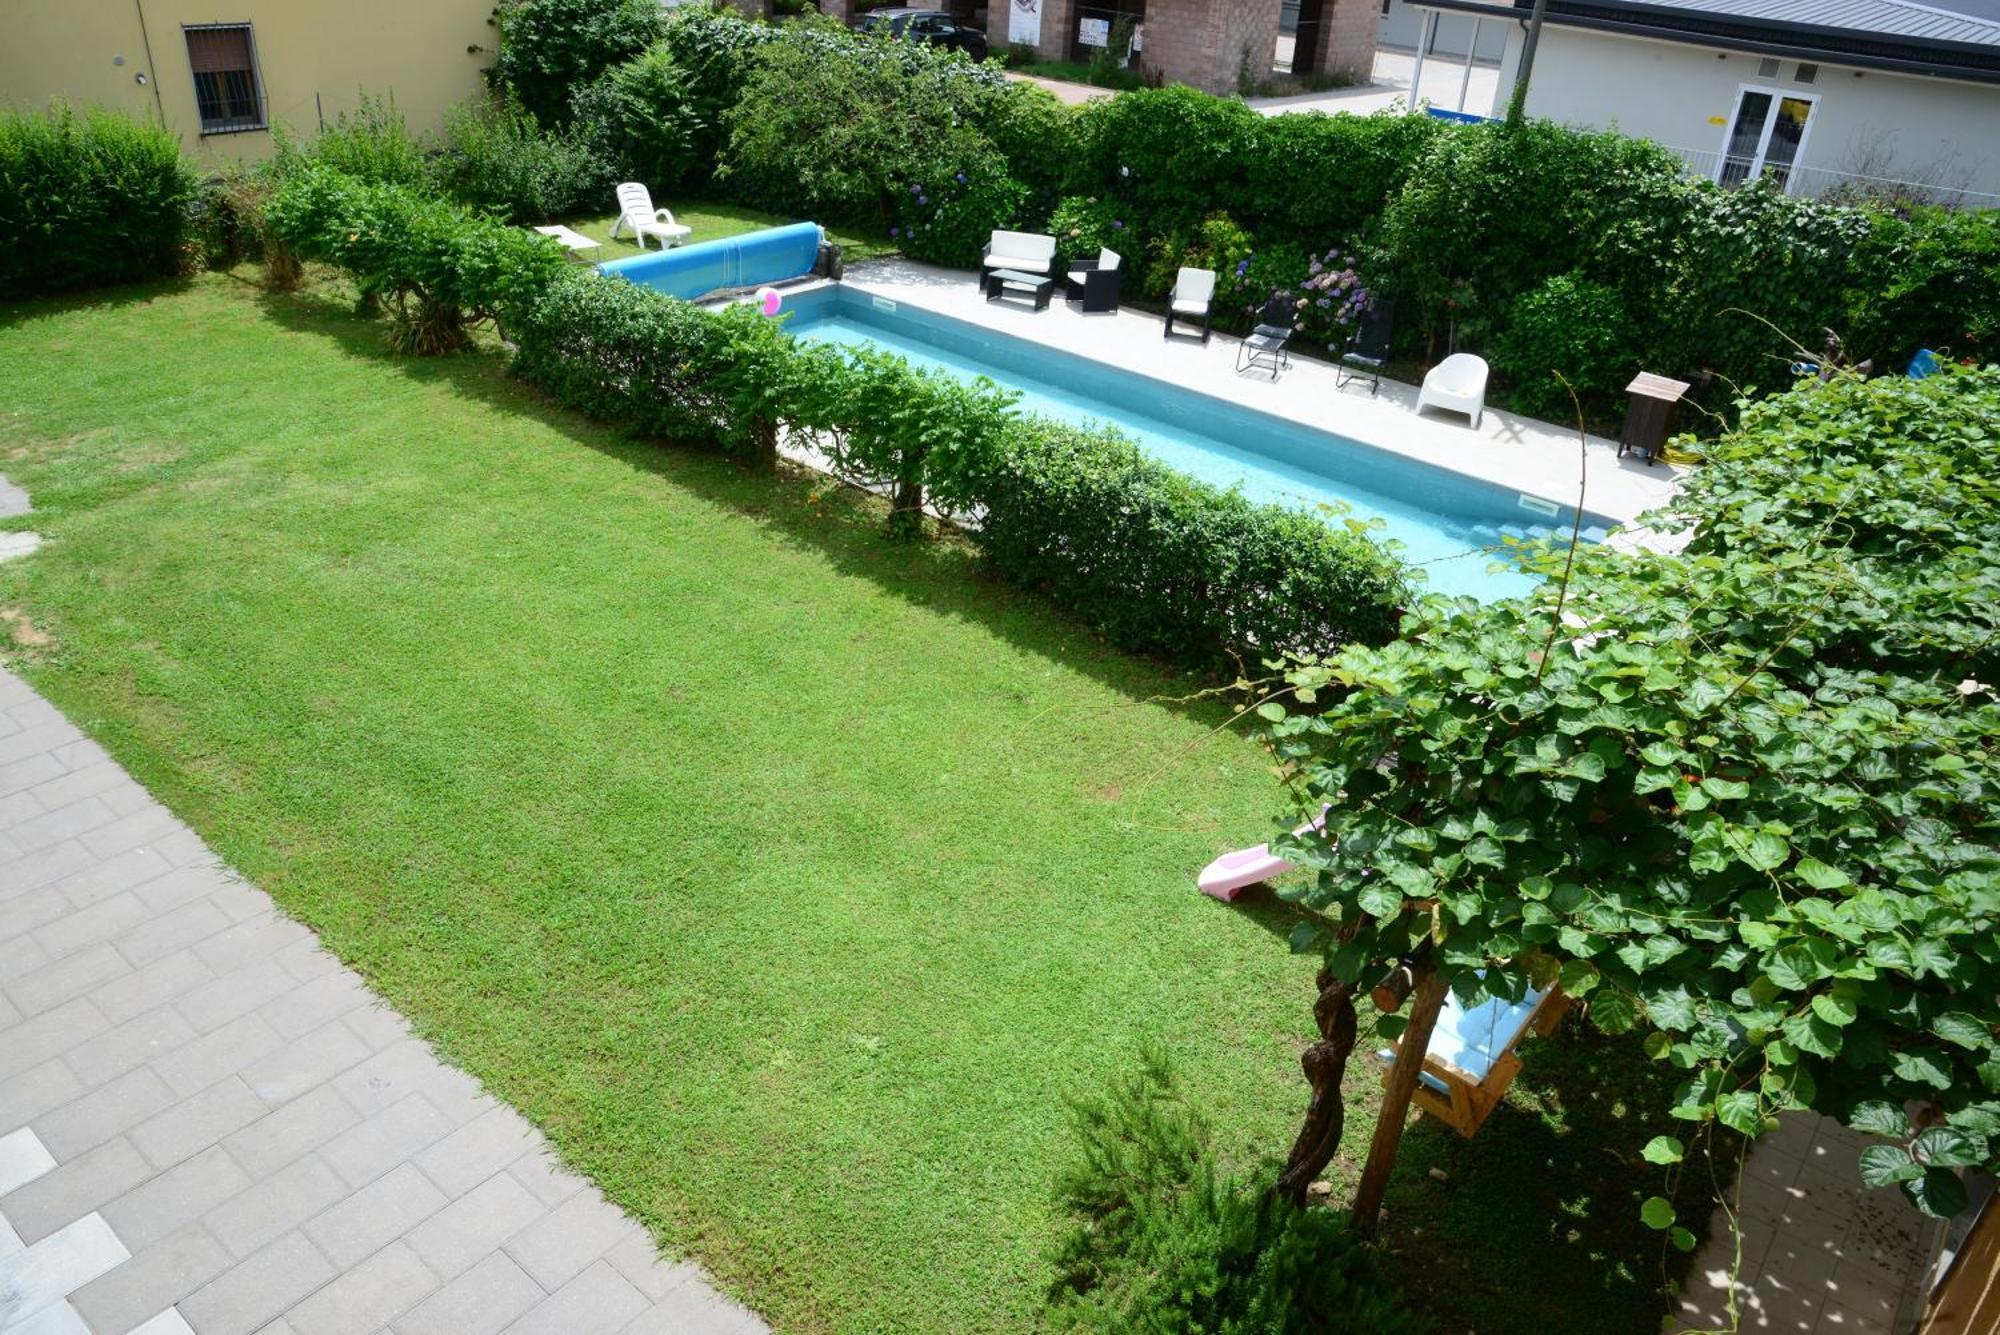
{"x": 1094, "y": 32}
{"x": 1024, "y": 22}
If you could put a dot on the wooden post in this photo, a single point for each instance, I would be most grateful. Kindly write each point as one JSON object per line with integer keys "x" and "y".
{"x": 1402, "y": 1084}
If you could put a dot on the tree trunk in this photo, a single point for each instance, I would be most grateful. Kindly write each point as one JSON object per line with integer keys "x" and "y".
{"x": 906, "y": 511}
{"x": 764, "y": 443}
{"x": 1324, "y": 1063}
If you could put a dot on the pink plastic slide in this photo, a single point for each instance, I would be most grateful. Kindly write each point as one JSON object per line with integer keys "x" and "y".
{"x": 1225, "y": 877}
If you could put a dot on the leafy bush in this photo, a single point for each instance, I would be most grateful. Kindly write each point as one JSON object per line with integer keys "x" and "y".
{"x": 642, "y": 117}
{"x": 1084, "y": 225}
{"x": 1035, "y": 131}
{"x": 437, "y": 266}
{"x": 88, "y": 199}
{"x": 713, "y": 45}
{"x": 372, "y": 143}
{"x": 1570, "y": 326}
{"x": 1164, "y": 564}
{"x": 1308, "y": 176}
{"x": 1740, "y": 796}
{"x": 550, "y": 48}
{"x": 1164, "y": 156}
{"x": 1163, "y": 1240}
{"x": 948, "y": 219}
{"x": 498, "y": 158}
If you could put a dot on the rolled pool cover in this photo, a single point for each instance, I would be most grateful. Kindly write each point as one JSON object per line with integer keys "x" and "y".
{"x": 690, "y": 272}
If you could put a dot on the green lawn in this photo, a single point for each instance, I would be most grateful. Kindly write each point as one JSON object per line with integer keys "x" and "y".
{"x": 712, "y": 222}
{"x": 789, "y": 878}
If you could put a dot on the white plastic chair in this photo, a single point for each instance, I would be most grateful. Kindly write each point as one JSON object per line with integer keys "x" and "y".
{"x": 1193, "y": 290}
{"x": 635, "y": 209}
{"x": 1458, "y": 384}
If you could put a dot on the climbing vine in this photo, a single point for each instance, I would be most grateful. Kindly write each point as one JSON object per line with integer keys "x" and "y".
{"x": 1741, "y": 798}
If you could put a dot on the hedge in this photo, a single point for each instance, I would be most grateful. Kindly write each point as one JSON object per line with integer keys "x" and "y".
{"x": 90, "y": 198}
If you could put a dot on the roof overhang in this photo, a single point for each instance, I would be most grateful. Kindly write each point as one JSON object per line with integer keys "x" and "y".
{"x": 1787, "y": 41}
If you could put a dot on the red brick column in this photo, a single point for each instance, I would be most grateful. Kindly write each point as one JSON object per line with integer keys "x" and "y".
{"x": 838, "y": 9}
{"x": 1058, "y": 26}
{"x": 1348, "y": 32}
{"x": 1207, "y": 43}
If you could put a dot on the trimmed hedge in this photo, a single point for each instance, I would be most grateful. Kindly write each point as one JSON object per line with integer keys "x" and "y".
{"x": 1157, "y": 561}
{"x": 88, "y": 199}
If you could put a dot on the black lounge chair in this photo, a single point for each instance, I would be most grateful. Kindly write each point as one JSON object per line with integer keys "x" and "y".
{"x": 1095, "y": 282}
{"x": 1265, "y": 345}
{"x": 1368, "y": 351}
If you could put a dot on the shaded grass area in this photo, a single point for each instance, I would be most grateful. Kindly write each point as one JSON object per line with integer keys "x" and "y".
{"x": 789, "y": 878}
{"x": 713, "y": 222}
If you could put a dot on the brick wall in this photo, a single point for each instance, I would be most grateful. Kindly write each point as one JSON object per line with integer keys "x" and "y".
{"x": 1205, "y": 43}
{"x": 1348, "y": 32}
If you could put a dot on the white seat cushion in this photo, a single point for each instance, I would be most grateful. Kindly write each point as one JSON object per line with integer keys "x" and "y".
{"x": 1181, "y": 307}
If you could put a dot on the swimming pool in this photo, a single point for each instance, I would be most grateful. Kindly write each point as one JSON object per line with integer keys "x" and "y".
{"x": 1447, "y": 522}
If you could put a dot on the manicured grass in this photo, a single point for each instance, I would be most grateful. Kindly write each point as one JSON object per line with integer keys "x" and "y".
{"x": 712, "y": 222}
{"x": 791, "y": 879}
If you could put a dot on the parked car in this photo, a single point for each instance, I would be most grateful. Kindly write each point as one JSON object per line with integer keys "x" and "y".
{"x": 927, "y": 25}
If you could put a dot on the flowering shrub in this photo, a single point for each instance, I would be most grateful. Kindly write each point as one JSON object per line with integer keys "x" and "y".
{"x": 947, "y": 220}
{"x": 1085, "y": 224}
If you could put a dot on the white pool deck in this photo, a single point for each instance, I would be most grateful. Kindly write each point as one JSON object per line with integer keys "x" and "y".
{"x": 1524, "y": 455}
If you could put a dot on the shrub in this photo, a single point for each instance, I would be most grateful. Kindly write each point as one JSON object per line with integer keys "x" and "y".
{"x": 948, "y": 218}
{"x": 1164, "y": 564}
{"x": 88, "y": 199}
{"x": 1309, "y": 176}
{"x": 498, "y": 158}
{"x": 1163, "y": 1240}
{"x": 550, "y": 48}
{"x": 1165, "y": 156}
{"x": 437, "y": 266}
{"x": 1083, "y": 225}
{"x": 1035, "y": 132}
{"x": 642, "y": 118}
{"x": 1572, "y": 326}
{"x": 370, "y": 143}
{"x": 713, "y": 45}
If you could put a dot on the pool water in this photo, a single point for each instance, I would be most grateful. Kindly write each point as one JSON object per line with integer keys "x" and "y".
{"x": 1450, "y": 525}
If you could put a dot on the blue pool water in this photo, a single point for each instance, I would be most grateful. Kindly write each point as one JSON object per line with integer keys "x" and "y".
{"x": 1449, "y": 524}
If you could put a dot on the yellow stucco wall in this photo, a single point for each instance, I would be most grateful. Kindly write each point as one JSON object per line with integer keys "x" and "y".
{"x": 314, "y": 57}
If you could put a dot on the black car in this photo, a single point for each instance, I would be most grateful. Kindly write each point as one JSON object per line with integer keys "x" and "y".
{"x": 927, "y": 25}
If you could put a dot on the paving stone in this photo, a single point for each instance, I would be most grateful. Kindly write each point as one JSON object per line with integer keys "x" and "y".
{"x": 599, "y": 1299}
{"x": 139, "y": 1040}
{"x": 317, "y": 1001}
{"x": 196, "y": 1123}
{"x": 23, "y": 1158}
{"x": 32, "y": 1041}
{"x": 28, "y": 771}
{"x": 21, "y": 958}
{"x": 299, "y": 1127}
{"x": 109, "y": 1110}
{"x": 479, "y": 1302}
{"x": 169, "y": 1322}
{"x": 157, "y": 1276}
{"x": 256, "y": 1290}
{"x": 305, "y": 1063}
{"x": 545, "y": 1178}
{"x": 473, "y": 1226}
{"x": 196, "y": 1065}
{"x": 233, "y": 994}
{"x": 20, "y": 807}
{"x": 385, "y": 1139}
{"x": 380, "y": 1212}
{"x": 148, "y": 826}
{"x": 274, "y": 1205}
{"x": 24, "y": 913}
{"x": 569, "y": 1238}
{"x": 257, "y": 939}
{"x": 59, "y": 1319}
{"x": 79, "y": 752}
{"x": 404, "y": 1068}
{"x": 638, "y": 1258}
{"x": 75, "y": 1189}
{"x": 176, "y": 1198}
{"x": 172, "y": 930}
{"x": 97, "y": 925}
{"x": 373, "y": 1293}
{"x": 10, "y": 1015}
{"x": 184, "y": 848}
{"x": 49, "y": 737}
{"x": 27, "y": 1096}
{"x": 93, "y": 879}
{"x": 77, "y": 784}
{"x": 307, "y": 960}
{"x": 175, "y": 886}
{"x": 66, "y": 979}
{"x": 52, "y": 1268}
{"x": 478, "y": 1150}
{"x": 154, "y": 985}
{"x": 78, "y": 820}
{"x": 694, "y": 1309}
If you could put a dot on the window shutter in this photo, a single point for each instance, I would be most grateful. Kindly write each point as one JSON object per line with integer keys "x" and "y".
{"x": 219, "y": 50}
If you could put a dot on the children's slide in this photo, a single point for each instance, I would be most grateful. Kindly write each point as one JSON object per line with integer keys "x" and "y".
{"x": 1227, "y": 876}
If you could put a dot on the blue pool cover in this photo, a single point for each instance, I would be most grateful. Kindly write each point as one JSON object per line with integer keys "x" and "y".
{"x": 688, "y": 272}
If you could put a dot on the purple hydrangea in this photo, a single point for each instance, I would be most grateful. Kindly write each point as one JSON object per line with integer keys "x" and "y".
{"x": 961, "y": 178}
{"x": 895, "y": 232}
{"x": 1117, "y": 224}
{"x": 916, "y": 189}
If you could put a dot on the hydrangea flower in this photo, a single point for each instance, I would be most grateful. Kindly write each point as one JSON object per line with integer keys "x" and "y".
{"x": 895, "y": 232}
{"x": 961, "y": 178}
{"x": 1117, "y": 224}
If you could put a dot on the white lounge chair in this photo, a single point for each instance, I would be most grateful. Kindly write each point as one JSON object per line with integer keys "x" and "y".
{"x": 635, "y": 210}
{"x": 1193, "y": 290}
{"x": 1022, "y": 252}
{"x": 1457, "y": 383}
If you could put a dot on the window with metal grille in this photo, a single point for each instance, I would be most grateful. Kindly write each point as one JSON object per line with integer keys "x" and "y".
{"x": 225, "y": 77}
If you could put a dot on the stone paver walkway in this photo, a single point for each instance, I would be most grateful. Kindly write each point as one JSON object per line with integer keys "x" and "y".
{"x": 1822, "y": 1255}
{"x": 208, "y": 1125}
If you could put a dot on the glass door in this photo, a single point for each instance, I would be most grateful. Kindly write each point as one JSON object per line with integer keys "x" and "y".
{"x": 1765, "y": 135}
